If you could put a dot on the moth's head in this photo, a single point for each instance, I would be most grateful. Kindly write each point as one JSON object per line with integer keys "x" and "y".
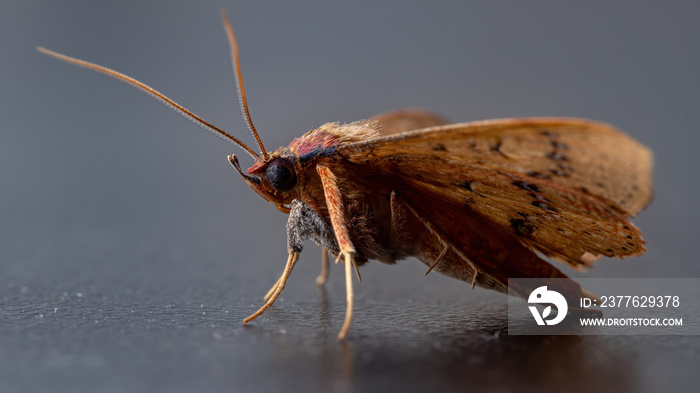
{"x": 273, "y": 177}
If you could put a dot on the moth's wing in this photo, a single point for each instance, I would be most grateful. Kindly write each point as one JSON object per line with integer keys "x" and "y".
{"x": 564, "y": 187}
{"x": 494, "y": 252}
{"x": 396, "y": 122}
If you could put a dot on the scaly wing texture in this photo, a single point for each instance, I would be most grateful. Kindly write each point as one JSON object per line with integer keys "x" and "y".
{"x": 399, "y": 121}
{"x": 564, "y": 187}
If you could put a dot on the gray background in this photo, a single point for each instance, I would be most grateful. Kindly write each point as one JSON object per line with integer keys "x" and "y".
{"x": 130, "y": 250}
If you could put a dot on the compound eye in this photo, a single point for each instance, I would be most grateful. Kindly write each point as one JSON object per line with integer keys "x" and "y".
{"x": 281, "y": 174}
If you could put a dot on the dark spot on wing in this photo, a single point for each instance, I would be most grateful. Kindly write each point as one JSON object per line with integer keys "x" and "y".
{"x": 439, "y": 147}
{"x": 559, "y": 172}
{"x": 507, "y": 174}
{"x": 538, "y": 175}
{"x": 543, "y": 205}
{"x": 466, "y": 184}
{"x": 557, "y": 156}
{"x": 564, "y": 167}
{"x": 562, "y": 170}
{"x": 526, "y": 186}
{"x": 559, "y": 145}
{"x": 522, "y": 227}
{"x": 497, "y": 148}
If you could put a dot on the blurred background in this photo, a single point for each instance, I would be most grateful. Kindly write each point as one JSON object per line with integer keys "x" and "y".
{"x": 130, "y": 250}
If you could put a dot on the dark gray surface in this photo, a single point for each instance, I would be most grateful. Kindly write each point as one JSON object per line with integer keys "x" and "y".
{"x": 130, "y": 250}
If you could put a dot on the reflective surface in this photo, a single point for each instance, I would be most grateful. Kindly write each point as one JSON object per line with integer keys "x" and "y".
{"x": 150, "y": 339}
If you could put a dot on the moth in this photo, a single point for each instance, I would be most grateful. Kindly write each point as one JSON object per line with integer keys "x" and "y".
{"x": 481, "y": 202}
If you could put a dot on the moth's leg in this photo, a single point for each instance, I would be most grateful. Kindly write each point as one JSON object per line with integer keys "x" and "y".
{"x": 438, "y": 260}
{"x": 342, "y": 234}
{"x": 323, "y": 276}
{"x": 431, "y": 228}
{"x": 320, "y": 280}
{"x": 303, "y": 223}
{"x": 272, "y": 290}
{"x": 293, "y": 257}
{"x": 349, "y": 263}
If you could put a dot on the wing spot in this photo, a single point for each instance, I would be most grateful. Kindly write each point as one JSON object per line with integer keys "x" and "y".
{"x": 559, "y": 145}
{"x": 538, "y": 175}
{"x": 544, "y": 206}
{"x": 557, "y": 156}
{"x": 497, "y": 148}
{"x": 466, "y": 184}
{"x": 522, "y": 227}
{"x": 539, "y": 197}
{"x": 507, "y": 174}
{"x": 439, "y": 147}
{"x": 624, "y": 248}
{"x": 526, "y": 186}
{"x": 564, "y": 167}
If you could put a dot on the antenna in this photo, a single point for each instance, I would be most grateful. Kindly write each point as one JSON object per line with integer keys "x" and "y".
{"x": 142, "y": 86}
{"x": 239, "y": 81}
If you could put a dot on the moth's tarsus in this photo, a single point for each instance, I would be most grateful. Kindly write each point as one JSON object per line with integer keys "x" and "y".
{"x": 278, "y": 287}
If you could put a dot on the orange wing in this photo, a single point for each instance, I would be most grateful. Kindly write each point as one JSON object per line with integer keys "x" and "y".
{"x": 564, "y": 187}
